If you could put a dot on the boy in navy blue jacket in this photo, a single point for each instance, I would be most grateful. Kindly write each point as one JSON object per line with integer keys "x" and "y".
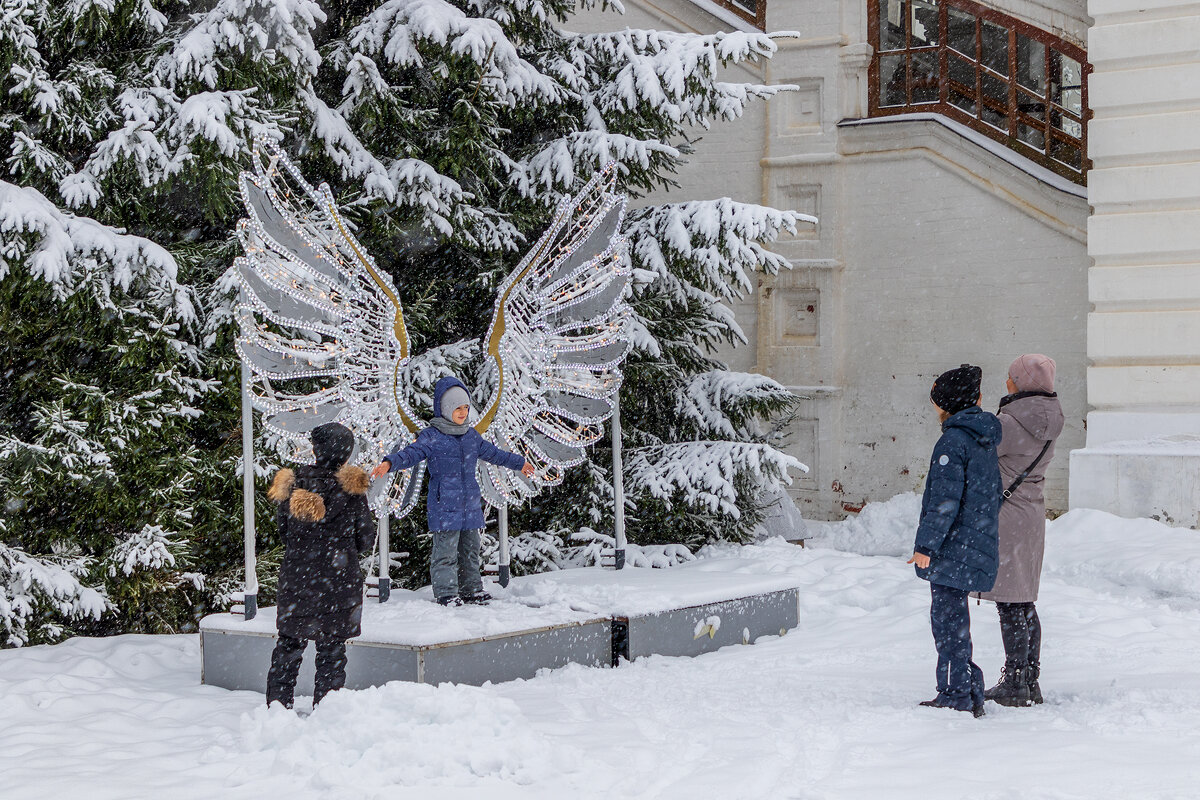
{"x": 957, "y": 544}
{"x": 450, "y": 447}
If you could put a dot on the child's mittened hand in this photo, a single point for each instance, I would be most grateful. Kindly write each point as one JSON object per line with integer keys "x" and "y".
{"x": 920, "y": 560}
{"x": 383, "y": 469}
{"x": 527, "y": 470}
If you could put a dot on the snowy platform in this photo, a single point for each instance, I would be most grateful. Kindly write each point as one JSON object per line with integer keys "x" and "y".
{"x": 593, "y": 617}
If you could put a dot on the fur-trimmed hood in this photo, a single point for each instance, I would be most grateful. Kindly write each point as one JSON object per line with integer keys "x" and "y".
{"x": 309, "y": 506}
{"x": 353, "y": 480}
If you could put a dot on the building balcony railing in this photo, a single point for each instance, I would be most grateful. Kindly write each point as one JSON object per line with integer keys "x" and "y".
{"x": 753, "y": 11}
{"x": 1018, "y": 84}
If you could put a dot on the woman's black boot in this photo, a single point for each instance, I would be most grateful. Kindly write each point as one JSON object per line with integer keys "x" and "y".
{"x": 1012, "y": 689}
{"x": 1031, "y": 677}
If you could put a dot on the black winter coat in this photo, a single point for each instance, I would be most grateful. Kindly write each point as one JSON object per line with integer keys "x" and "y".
{"x": 326, "y": 528}
{"x": 960, "y": 511}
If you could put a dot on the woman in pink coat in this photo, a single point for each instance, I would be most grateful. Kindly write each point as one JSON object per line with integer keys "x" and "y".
{"x": 1031, "y": 419}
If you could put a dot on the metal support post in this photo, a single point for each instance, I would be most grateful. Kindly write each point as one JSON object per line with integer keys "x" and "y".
{"x": 618, "y": 487}
{"x": 385, "y": 557}
{"x": 251, "y": 584}
{"x": 502, "y": 519}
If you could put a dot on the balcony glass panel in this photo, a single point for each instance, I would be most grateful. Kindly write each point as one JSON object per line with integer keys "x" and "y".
{"x": 994, "y": 41}
{"x": 892, "y": 81}
{"x": 962, "y": 71}
{"x": 964, "y": 101}
{"x": 1031, "y": 64}
{"x": 1066, "y": 82}
{"x": 924, "y": 23}
{"x": 995, "y": 118}
{"x": 1066, "y": 124}
{"x": 891, "y": 24}
{"x": 1028, "y": 104}
{"x": 1034, "y": 137}
{"x": 995, "y": 89}
{"x": 925, "y": 76}
{"x": 962, "y": 31}
{"x": 1067, "y": 153}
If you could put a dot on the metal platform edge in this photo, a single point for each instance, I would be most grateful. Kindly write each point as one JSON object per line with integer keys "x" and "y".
{"x": 695, "y": 630}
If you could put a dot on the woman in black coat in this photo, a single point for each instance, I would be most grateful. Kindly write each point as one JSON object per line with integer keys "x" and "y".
{"x": 326, "y": 527}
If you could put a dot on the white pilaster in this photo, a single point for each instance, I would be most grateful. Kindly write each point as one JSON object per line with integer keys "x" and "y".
{"x": 1143, "y": 445}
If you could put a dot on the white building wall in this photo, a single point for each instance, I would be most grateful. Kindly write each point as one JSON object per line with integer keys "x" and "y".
{"x": 1143, "y": 445}
{"x": 930, "y": 251}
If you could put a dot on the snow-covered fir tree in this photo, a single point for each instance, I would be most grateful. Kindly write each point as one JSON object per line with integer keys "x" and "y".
{"x": 113, "y": 480}
{"x": 448, "y": 130}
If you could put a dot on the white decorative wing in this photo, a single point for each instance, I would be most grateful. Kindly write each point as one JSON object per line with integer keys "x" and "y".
{"x": 557, "y": 341}
{"x": 321, "y": 321}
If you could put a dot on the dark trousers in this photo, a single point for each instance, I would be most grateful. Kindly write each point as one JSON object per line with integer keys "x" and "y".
{"x": 959, "y": 680}
{"x": 285, "y": 665}
{"x": 454, "y": 564}
{"x": 1021, "y": 631}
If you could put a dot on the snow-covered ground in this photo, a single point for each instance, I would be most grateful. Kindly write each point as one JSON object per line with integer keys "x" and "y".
{"x": 828, "y": 711}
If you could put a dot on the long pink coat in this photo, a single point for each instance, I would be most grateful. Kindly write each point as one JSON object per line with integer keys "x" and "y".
{"x": 1028, "y": 423}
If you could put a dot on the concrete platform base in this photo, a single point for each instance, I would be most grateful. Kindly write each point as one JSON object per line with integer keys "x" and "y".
{"x": 239, "y": 659}
{"x": 591, "y": 617}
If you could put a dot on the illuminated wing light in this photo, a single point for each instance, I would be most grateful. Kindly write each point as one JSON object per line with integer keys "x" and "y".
{"x": 315, "y": 310}
{"x": 557, "y": 342}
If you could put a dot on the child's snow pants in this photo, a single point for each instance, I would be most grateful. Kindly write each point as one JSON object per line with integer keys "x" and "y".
{"x": 454, "y": 564}
{"x": 959, "y": 680}
{"x": 285, "y": 665}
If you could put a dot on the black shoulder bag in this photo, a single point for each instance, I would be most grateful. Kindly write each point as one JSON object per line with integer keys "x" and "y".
{"x": 1021, "y": 478}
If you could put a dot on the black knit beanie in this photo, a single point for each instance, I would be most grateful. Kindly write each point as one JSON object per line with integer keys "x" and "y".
{"x": 333, "y": 444}
{"x": 957, "y": 389}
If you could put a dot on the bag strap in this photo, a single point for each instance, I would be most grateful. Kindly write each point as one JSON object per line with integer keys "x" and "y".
{"x": 1021, "y": 478}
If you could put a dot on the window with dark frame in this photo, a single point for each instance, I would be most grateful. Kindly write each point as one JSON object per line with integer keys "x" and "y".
{"x": 1016, "y": 83}
{"x": 753, "y": 11}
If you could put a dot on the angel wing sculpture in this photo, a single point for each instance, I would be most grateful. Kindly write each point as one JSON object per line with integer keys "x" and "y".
{"x": 322, "y": 329}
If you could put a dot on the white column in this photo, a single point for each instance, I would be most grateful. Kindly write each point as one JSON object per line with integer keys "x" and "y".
{"x": 504, "y": 572}
{"x": 618, "y": 487}
{"x": 251, "y": 584}
{"x": 1143, "y": 443}
{"x": 385, "y": 556}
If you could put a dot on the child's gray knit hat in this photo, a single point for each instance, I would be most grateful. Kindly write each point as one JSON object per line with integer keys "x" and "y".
{"x": 452, "y": 398}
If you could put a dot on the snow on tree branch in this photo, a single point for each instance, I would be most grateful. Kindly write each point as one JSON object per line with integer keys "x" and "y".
{"x": 151, "y": 548}
{"x": 716, "y": 243}
{"x": 282, "y": 29}
{"x": 400, "y": 30}
{"x": 446, "y": 207}
{"x": 702, "y": 473}
{"x": 70, "y": 252}
{"x": 31, "y": 587}
{"x": 663, "y": 69}
{"x": 724, "y": 404}
{"x": 648, "y": 556}
{"x": 555, "y": 164}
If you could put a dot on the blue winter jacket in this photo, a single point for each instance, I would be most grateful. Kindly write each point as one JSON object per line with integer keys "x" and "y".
{"x": 960, "y": 511}
{"x": 454, "y": 500}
